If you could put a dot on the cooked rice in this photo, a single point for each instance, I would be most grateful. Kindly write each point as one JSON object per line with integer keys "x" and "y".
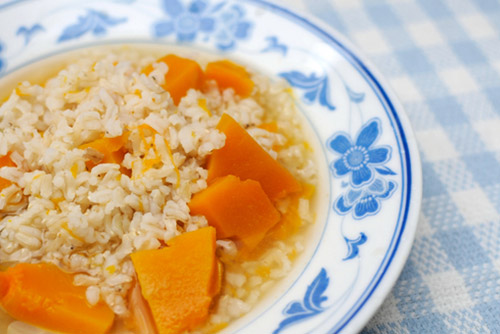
{"x": 89, "y": 222}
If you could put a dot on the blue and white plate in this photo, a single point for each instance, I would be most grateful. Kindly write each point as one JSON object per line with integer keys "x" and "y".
{"x": 370, "y": 190}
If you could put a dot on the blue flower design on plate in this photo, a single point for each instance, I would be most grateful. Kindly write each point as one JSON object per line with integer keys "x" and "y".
{"x": 225, "y": 24}
{"x": 359, "y": 157}
{"x": 310, "y": 305}
{"x": 95, "y": 22}
{"x": 317, "y": 88}
{"x": 231, "y": 27}
{"x": 365, "y": 201}
{"x": 186, "y": 22}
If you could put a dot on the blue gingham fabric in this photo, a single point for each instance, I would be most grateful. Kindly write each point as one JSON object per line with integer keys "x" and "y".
{"x": 442, "y": 58}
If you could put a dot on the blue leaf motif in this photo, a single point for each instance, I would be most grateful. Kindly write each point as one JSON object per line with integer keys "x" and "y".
{"x": 353, "y": 246}
{"x": 293, "y": 308}
{"x": 317, "y": 88}
{"x": 385, "y": 170}
{"x": 315, "y": 291}
{"x": 300, "y": 80}
{"x": 95, "y": 22}
{"x": 28, "y": 33}
{"x": 275, "y": 46}
{"x": 75, "y": 30}
{"x": 311, "y": 95}
{"x": 310, "y": 305}
{"x": 324, "y": 98}
{"x": 292, "y": 319}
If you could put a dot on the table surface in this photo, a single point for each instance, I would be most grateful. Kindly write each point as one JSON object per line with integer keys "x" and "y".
{"x": 442, "y": 58}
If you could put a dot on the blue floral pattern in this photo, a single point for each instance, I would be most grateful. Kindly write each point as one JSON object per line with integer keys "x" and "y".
{"x": 95, "y": 22}
{"x": 225, "y": 24}
{"x": 364, "y": 162}
{"x": 316, "y": 88}
{"x": 359, "y": 157}
{"x": 365, "y": 202}
{"x": 310, "y": 305}
{"x": 185, "y": 22}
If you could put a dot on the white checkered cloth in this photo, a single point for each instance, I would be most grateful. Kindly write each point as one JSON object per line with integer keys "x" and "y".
{"x": 442, "y": 58}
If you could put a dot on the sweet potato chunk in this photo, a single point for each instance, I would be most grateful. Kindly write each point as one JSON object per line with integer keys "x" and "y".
{"x": 242, "y": 156}
{"x": 183, "y": 74}
{"x": 108, "y": 150}
{"x": 229, "y": 75}
{"x": 180, "y": 280}
{"x": 44, "y": 295}
{"x": 237, "y": 209}
{"x": 5, "y": 161}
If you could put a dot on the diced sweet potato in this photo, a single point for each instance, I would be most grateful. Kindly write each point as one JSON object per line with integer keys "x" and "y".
{"x": 229, "y": 75}
{"x": 179, "y": 281}
{"x": 111, "y": 150}
{"x": 242, "y": 156}
{"x": 183, "y": 74}
{"x": 5, "y": 161}
{"x": 44, "y": 295}
{"x": 237, "y": 209}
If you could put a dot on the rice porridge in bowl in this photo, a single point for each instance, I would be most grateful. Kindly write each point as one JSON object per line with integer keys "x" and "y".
{"x": 148, "y": 190}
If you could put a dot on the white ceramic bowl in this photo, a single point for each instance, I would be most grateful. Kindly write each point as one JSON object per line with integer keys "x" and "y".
{"x": 369, "y": 196}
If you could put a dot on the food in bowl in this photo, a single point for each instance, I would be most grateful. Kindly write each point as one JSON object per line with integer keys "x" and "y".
{"x": 145, "y": 194}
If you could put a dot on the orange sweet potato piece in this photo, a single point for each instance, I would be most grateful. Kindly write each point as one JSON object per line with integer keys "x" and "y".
{"x": 178, "y": 281}
{"x": 44, "y": 295}
{"x": 237, "y": 209}
{"x": 183, "y": 74}
{"x": 229, "y": 75}
{"x": 5, "y": 161}
{"x": 112, "y": 149}
{"x": 242, "y": 156}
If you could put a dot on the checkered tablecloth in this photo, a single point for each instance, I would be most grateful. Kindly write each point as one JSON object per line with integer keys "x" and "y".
{"x": 442, "y": 58}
